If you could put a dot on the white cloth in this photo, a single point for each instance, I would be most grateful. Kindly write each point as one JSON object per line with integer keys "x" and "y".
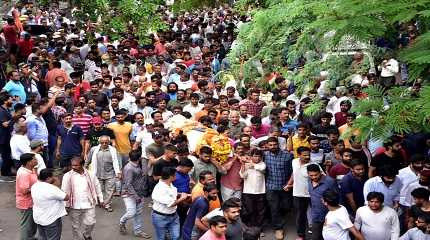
{"x": 383, "y": 225}
{"x": 19, "y": 144}
{"x": 300, "y": 178}
{"x": 164, "y": 196}
{"x": 48, "y": 203}
{"x": 253, "y": 179}
{"x": 407, "y": 176}
{"x": 193, "y": 109}
{"x": 82, "y": 196}
{"x": 115, "y": 161}
{"x": 247, "y": 120}
{"x": 336, "y": 225}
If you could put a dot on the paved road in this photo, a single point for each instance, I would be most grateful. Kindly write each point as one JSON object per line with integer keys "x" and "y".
{"x": 106, "y": 226}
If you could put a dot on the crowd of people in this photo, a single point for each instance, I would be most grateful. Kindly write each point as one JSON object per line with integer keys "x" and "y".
{"x": 85, "y": 122}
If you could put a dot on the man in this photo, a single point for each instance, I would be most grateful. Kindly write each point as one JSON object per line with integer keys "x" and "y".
{"x": 48, "y": 205}
{"x": 181, "y": 99}
{"x": 337, "y": 225}
{"x": 58, "y": 87}
{"x": 25, "y": 178}
{"x": 134, "y": 189}
{"x": 324, "y": 125}
{"x": 231, "y": 182}
{"x": 422, "y": 182}
{"x": 182, "y": 183}
{"x": 317, "y": 154}
{"x": 166, "y": 198}
{"x": 340, "y": 117}
{"x": 104, "y": 162}
{"x": 245, "y": 118}
{"x": 122, "y": 131}
{"x": 318, "y": 184}
{"x": 235, "y": 125}
{"x": 421, "y": 207}
{"x": 36, "y": 125}
{"x": 193, "y": 226}
{"x": 194, "y": 106}
{"x": 253, "y": 103}
{"x": 206, "y": 162}
{"x": 386, "y": 183}
{"x": 55, "y": 72}
{"x": 339, "y": 170}
{"x": 278, "y": 172}
{"x": 420, "y": 232}
{"x": 93, "y": 135}
{"x": 100, "y": 97}
{"x": 19, "y": 142}
{"x": 217, "y": 229}
{"x": 231, "y": 211}
{"x": 208, "y": 104}
{"x": 205, "y": 177}
{"x": 138, "y": 126}
{"x": 391, "y": 156}
{"x": 167, "y": 160}
{"x": 82, "y": 119}
{"x": 85, "y": 193}
{"x": 299, "y": 182}
{"x": 70, "y": 142}
{"x": 6, "y": 127}
{"x": 376, "y": 221}
{"x": 258, "y": 129}
{"x": 351, "y": 186}
{"x": 299, "y": 139}
{"x": 14, "y": 87}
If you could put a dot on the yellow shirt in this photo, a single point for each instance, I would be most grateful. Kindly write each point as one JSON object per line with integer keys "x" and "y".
{"x": 122, "y": 136}
{"x": 198, "y": 191}
{"x": 297, "y": 142}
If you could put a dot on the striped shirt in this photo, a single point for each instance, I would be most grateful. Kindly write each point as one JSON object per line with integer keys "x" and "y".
{"x": 83, "y": 121}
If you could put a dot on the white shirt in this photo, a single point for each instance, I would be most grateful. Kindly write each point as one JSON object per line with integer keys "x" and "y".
{"x": 408, "y": 200}
{"x": 40, "y": 163}
{"x": 193, "y": 109}
{"x": 407, "y": 176}
{"x": 81, "y": 192}
{"x": 390, "y": 69}
{"x": 247, "y": 120}
{"x": 145, "y": 139}
{"x": 254, "y": 182}
{"x": 383, "y": 225}
{"x": 48, "y": 203}
{"x": 19, "y": 144}
{"x": 164, "y": 196}
{"x": 337, "y": 224}
{"x": 300, "y": 177}
{"x": 184, "y": 85}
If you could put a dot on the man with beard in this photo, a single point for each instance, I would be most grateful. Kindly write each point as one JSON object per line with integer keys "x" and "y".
{"x": 230, "y": 209}
{"x": 180, "y": 99}
{"x": 391, "y": 156}
{"x": 420, "y": 232}
{"x": 386, "y": 183}
{"x": 101, "y": 98}
{"x": 339, "y": 170}
{"x": 278, "y": 172}
{"x": 422, "y": 182}
{"x": 376, "y": 221}
{"x": 122, "y": 129}
{"x": 421, "y": 207}
{"x": 193, "y": 226}
{"x": 351, "y": 186}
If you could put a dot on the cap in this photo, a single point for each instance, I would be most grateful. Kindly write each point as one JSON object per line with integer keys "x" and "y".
{"x": 36, "y": 143}
{"x": 157, "y": 134}
{"x": 97, "y": 120}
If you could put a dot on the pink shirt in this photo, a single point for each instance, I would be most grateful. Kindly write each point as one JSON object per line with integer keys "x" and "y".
{"x": 232, "y": 179}
{"x": 261, "y": 132}
{"x": 209, "y": 235}
{"x": 24, "y": 180}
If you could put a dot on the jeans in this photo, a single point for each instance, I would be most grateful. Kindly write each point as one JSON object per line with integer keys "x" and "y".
{"x": 279, "y": 202}
{"x": 51, "y": 231}
{"x": 301, "y": 205}
{"x": 253, "y": 209}
{"x": 27, "y": 226}
{"x": 317, "y": 228}
{"x": 227, "y": 193}
{"x": 83, "y": 222}
{"x": 52, "y": 145}
{"x": 6, "y": 163}
{"x": 163, "y": 223}
{"x": 134, "y": 210}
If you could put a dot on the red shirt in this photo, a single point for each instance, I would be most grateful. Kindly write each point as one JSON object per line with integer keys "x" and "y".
{"x": 254, "y": 108}
{"x": 10, "y": 34}
{"x": 340, "y": 118}
{"x": 80, "y": 89}
{"x": 232, "y": 179}
{"x": 261, "y": 132}
{"x": 338, "y": 171}
{"x": 25, "y": 47}
{"x": 83, "y": 121}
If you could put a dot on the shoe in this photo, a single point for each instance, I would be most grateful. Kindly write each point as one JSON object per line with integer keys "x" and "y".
{"x": 279, "y": 234}
{"x": 109, "y": 208}
{"x": 142, "y": 235}
{"x": 122, "y": 229}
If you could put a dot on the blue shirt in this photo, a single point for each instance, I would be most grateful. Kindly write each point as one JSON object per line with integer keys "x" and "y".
{"x": 37, "y": 129}
{"x": 70, "y": 140}
{"x": 318, "y": 210}
{"x": 182, "y": 182}
{"x": 351, "y": 184}
{"x": 278, "y": 169}
{"x": 290, "y": 124}
{"x": 391, "y": 193}
{"x": 198, "y": 209}
{"x": 16, "y": 89}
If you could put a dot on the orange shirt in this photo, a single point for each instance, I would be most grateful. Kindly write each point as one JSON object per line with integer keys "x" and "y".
{"x": 198, "y": 192}
{"x": 56, "y": 72}
{"x": 24, "y": 180}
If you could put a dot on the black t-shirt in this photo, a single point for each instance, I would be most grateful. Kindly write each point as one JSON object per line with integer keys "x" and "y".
{"x": 100, "y": 98}
{"x": 93, "y": 135}
{"x": 160, "y": 164}
{"x": 416, "y": 211}
{"x": 383, "y": 159}
{"x": 321, "y": 131}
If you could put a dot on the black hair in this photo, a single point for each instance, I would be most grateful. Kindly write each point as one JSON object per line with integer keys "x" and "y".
{"x": 302, "y": 149}
{"x": 186, "y": 163}
{"x": 356, "y": 162}
{"x": 388, "y": 171}
{"x": 135, "y": 155}
{"x": 421, "y": 193}
{"x": 167, "y": 172}
{"x": 45, "y": 174}
{"x": 256, "y": 120}
{"x": 273, "y": 139}
{"x": 203, "y": 174}
{"x": 230, "y": 203}
{"x": 331, "y": 198}
{"x": 313, "y": 168}
{"x": 209, "y": 187}
{"x": 26, "y": 157}
{"x": 215, "y": 220}
{"x": 171, "y": 147}
{"x": 372, "y": 195}
{"x": 417, "y": 158}
{"x": 206, "y": 149}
